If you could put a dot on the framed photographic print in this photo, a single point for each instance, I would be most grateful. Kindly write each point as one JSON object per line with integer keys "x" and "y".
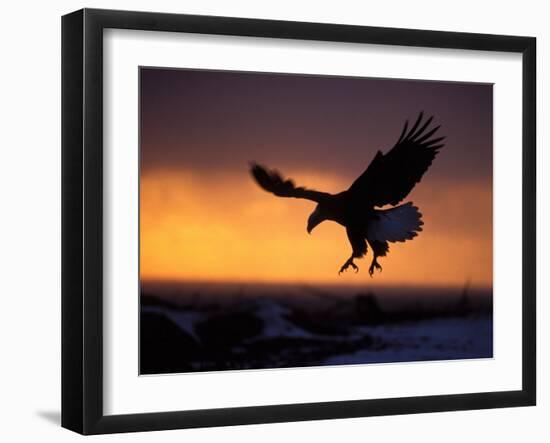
{"x": 269, "y": 221}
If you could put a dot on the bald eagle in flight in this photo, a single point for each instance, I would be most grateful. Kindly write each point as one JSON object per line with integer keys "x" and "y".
{"x": 387, "y": 180}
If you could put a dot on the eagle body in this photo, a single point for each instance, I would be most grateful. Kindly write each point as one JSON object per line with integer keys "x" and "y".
{"x": 341, "y": 209}
{"x": 387, "y": 181}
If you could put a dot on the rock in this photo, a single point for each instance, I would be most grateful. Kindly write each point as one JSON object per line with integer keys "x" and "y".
{"x": 164, "y": 347}
{"x": 229, "y": 329}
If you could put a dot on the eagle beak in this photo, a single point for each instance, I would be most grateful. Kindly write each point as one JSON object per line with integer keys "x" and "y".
{"x": 314, "y": 219}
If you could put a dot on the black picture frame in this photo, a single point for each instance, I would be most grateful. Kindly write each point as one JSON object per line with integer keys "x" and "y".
{"x": 82, "y": 219}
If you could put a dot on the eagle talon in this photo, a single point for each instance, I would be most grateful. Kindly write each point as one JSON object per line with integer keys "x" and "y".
{"x": 374, "y": 265}
{"x": 346, "y": 265}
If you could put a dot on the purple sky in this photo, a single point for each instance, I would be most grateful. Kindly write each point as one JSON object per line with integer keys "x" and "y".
{"x": 213, "y": 120}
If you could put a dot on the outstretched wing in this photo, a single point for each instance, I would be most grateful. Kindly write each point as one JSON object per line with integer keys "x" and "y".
{"x": 271, "y": 181}
{"x": 390, "y": 177}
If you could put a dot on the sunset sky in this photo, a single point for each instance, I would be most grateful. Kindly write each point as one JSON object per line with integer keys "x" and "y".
{"x": 203, "y": 218}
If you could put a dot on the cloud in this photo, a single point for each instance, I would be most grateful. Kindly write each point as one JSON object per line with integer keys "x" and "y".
{"x": 216, "y": 226}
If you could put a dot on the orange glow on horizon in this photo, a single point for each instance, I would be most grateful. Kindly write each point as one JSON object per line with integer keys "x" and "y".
{"x": 220, "y": 227}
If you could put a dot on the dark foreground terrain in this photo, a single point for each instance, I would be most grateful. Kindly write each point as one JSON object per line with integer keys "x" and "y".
{"x": 189, "y": 330}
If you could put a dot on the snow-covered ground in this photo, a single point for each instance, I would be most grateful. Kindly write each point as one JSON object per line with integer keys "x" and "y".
{"x": 437, "y": 339}
{"x": 264, "y": 333}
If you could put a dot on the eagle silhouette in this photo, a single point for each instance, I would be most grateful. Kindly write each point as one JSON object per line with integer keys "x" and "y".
{"x": 388, "y": 179}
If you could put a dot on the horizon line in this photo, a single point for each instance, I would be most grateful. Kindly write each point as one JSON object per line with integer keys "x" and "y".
{"x": 347, "y": 285}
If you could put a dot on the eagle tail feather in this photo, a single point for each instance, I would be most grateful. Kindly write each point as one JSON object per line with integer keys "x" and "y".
{"x": 396, "y": 224}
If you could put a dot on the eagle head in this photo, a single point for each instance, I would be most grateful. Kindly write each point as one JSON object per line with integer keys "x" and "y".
{"x": 315, "y": 218}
